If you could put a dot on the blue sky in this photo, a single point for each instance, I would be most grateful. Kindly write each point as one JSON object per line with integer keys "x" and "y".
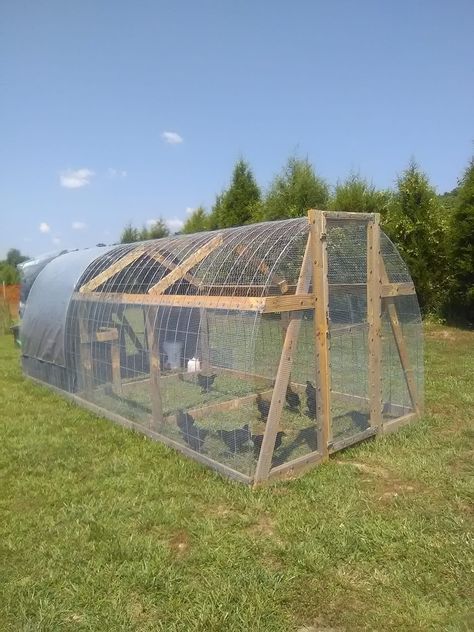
{"x": 89, "y": 90}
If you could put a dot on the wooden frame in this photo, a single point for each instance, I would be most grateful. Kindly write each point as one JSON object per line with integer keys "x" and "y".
{"x": 312, "y": 292}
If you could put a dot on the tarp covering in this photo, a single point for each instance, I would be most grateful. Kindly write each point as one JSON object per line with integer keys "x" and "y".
{"x": 44, "y": 320}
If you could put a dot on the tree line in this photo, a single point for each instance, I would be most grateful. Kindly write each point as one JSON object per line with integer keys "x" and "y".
{"x": 433, "y": 233}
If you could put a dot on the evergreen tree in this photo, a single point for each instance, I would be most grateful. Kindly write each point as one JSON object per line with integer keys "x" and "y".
{"x": 14, "y": 257}
{"x": 197, "y": 222}
{"x": 294, "y": 191}
{"x": 356, "y": 195}
{"x": 461, "y": 305}
{"x": 415, "y": 222}
{"x": 129, "y": 234}
{"x": 235, "y": 206}
{"x": 157, "y": 230}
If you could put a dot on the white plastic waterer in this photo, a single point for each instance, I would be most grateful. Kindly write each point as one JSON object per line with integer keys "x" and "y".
{"x": 194, "y": 365}
{"x": 173, "y": 352}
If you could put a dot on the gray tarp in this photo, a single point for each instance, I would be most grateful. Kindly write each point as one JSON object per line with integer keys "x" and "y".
{"x": 44, "y": 321}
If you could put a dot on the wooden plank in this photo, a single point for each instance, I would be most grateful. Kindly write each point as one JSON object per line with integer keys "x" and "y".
{"x": 317, "y": 224}
{"x": 294, "y": 468}
{"x": 341, "y": 444}
{"x": 400, "y": 343}
{"x": 116, "y": 372}
{"x": 288, "y": 303}
{"x": 264, "y": 268}
{"x": 263, "y": 304}
{"x": 374, "y": 319}
{"x": 186, "y": 265}
{"x": 397, "y": 289}
{"x": 363, "y": 217}
{"x": 106, "y": 334}
{"x": 239, "y": 303}
{"x": 153, "y": 338}
{"x": 220, "y": 407}
{"x": 283, "y": 375}
{"x": 85, "y": 348}
{"x": 113, "y": 269}
{"x": 171, "y": 265}
{"x": 395, "y": 424}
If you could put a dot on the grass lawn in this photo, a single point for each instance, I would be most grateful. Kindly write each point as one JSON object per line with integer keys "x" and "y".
{"x": 102, "y": 529}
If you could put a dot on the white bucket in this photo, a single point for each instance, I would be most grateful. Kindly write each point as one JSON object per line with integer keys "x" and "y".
{"x": 173, "y": 351}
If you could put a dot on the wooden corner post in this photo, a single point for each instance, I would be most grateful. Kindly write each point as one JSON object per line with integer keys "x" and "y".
{"x": 283, "y": 375}
{"x": 318, "y": 238}
{"x": 374, "y": 320}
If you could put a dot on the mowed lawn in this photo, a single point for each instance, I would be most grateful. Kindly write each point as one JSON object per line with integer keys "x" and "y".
{"x": 102, "y": 529}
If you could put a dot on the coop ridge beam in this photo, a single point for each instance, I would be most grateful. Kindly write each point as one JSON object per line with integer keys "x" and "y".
{"x": 113, "y": 269}
{"x": 363, "y": 217}
{"x": 186, "y": 265}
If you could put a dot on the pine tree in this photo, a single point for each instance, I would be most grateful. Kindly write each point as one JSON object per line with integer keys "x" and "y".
{"x": 294, "y": 191}
{"x": 197, "y": 222}
{"x": 461, "y": 305}
{"x": 356, "y": 195}
{"x": 129, "y": 234}
{"x": 415, "y": 222}
{"x": 235, "y": 206}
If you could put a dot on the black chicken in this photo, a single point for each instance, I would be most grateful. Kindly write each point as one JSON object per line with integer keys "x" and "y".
{"x": 192, "y": 434}
{"x": 258, "y": 439}
{"x": 292, "y": 399}
{"x": 235, "y": 439}
{"x": 206, "y": 382}
{"x": 311, "y": 399}
{"x": 263, "y": 406}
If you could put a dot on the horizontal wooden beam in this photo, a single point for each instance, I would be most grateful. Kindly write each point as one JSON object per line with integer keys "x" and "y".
{"x": 335, "y": 446}
{"x": 294, "y": 468}
{"x": 397, "y": 289}
{"x": 186, "y": 265}
{"x": 363, "y": 217}
{"x": 113, "y": 269}
{"x": 395, "y": 424}
{"x": 264, "y": 304}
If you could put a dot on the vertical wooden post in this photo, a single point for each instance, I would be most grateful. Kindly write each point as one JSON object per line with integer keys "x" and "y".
{"x": 116, "y": 374}
{"x": 374, "y": 319}
{"x": 85, "y": 348}
{"x": 204, "y": 340}
{"x": 317, "y": 226}
{"x": 283, "y": 375}
{"x": 155, "y": 370}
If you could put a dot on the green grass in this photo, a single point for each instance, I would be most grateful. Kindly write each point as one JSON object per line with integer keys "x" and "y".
{"x": 102, "y": 529}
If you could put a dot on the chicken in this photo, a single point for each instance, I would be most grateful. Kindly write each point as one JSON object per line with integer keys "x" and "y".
{"x": 292, "y": 399}
{"x": 192, "y": 434}
{"x": 235, "y": 439}
{"x": 263, "y": 407}
{"x": 258, "y": 439}
{"x": 311, "y": 399}
{"x": 206, "y": 382}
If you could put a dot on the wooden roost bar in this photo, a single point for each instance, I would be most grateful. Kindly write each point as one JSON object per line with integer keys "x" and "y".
{"x": 258, "y": 350}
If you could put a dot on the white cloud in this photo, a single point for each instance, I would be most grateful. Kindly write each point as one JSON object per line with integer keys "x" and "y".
{"x": 174, "y": 224}
{"x": 116, "y": 173}
{"x": 150, "y": 222}
{"x": 44, "y": 228}
{"x": 79, "y": 225}
{"x": 75, "y": 178}
{"x": 172, "y": 138}
{"x": 190, "y": 210}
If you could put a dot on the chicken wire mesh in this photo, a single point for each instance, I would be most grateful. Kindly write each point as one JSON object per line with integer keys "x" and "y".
{"x": 172, "y": 336}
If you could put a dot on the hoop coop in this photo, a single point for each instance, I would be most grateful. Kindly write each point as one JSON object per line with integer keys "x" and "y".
{"x": 256, "y": 350}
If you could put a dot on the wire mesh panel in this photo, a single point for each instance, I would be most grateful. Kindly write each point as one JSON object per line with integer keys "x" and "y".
{"x": 347, "y": 280}
{"x": 190, "y": 338}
